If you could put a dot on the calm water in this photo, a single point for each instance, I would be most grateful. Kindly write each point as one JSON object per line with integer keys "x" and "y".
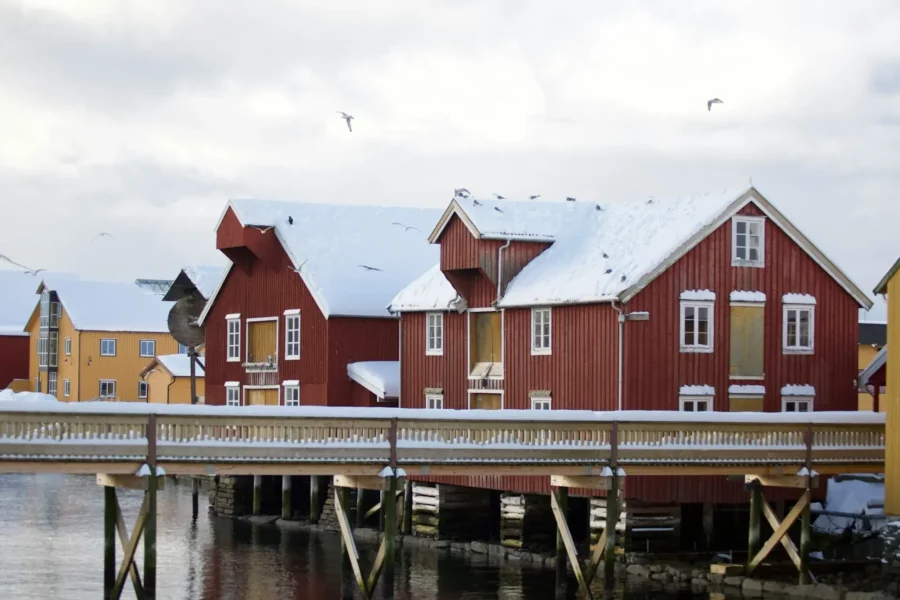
{"x": 51, "y": 546}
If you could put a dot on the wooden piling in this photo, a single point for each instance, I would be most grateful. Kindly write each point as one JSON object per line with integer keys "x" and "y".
{"x": 612, "y": 517}
{"x": 150, "y": 538}
{"x": 286, "y": 509}
{"x": 389, "y": 510}
{"x": 805, "y": 544}
{"x": 360, "y": 507}
{"x": 754, "y": 540}
{"x": 195, "y": 497}
{"x": 315, "y": 505}
{"x": 257, "y": 495}
{"x": 109, "y": 540}
{"x": 407, "y": 507}
{"x": 562, "y": 574}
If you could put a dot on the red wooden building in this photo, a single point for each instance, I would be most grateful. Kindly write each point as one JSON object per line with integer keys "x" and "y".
{"x": 17, "y": 301}
{"x": 305, "y": 294}
{"x": 713, "y": 302}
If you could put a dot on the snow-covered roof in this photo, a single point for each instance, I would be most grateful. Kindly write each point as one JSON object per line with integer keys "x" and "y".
{"x": 747, "y": 390}
{"x": 204, "y": 277}
{"x": 746, "y": 296}
{"x": 697, "y": 390}
{"x": 179, "y": 365}
{"x": 873, "y": 367}
{"x": 381, "y": 377}
{"x": 353, "y": 258}
{"x": 798, "y": 390}
{"x": 18, "y": 297}
{"x": 431, "y": 291}
{"x": 110, "y": 306}
{"x": 611, "y": 250}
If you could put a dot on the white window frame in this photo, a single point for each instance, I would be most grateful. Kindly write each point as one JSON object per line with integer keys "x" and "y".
{"x": 114, "y": 345}
{"x": 153, "y": 348}
{"x": 541, "y": 403}
{"x": 292, "y": 389}
{"x": 107, "y": 382}
{"x": 434, "y": 401}
{"x": 711, "y": 330}
{"x": 143, "y": 385}
{"x": 809, "y": 401}
{"x": 796, "y": 349}
{"x": 67, "y": 387}
{"x": 541, "y": 343}
{"x": 55, "y": 314}
{"x": 694, "y": 401}
{"x": 291, "y": 326}
{"x": 53, "y": 348}
{"x": 43, "y": 348}
{"x": 182, "y": 349}
{"x": 68, "y": 346}
{"x": 434, "y": 334}
{"x": 233, "y": 344}
{"x": 52, "y": 385}
{"x": 233, "y": 395}
{"x": 746, "y": 262}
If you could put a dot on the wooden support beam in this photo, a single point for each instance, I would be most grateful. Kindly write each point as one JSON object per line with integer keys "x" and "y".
{"x": 257, "y": 495}
{"x": 131, "y": 482}
{"x": 612, "y": 518}
{"x": 361, "y": 516}
{"x": 340, "y": 508}
{"x": 130, "y": 549}
{"x": 195, "y": 497}
{"x": 779, "y": 533}
{"x": 366, "y": 482}
{"x": 596, "y": 557}
{"x": 315, "y": 504}
{"x": 754, "y": 541}
{"x": 390, "y": 535}
{"x": 287, "y": 512}
{"x": 110, "y": 508}
{"x": 788, "y": 481}
{"x": 150, "y": 538}
{"x": 562, "y": 527}
{"x": 573, "y": 481}
{"x": 377, "y": 507}
{"x": 805, "y": 544}
{"x": 562, "y": 575}
{"x": 407, "y": 507}
{"x": 123, "y": 539}
{"x": 786, "y": 541}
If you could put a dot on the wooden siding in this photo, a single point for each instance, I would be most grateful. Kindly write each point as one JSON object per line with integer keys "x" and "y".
{"x": 69, "y": 366}
{"x": 419, "y": 371}
{"x": 125, "y": 367}
{"x": 166, "y": 389}
{"x": 261, "y": 340}
{"x": 263, "y": 292}
{"x": 353, "y": 339}
{"x": 14, "y": 358}
{"x": 892, "y": 452}
{"x": 864, "y": 400}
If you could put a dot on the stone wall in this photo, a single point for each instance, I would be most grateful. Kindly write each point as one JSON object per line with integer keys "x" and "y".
{"x": 232, "y": 496}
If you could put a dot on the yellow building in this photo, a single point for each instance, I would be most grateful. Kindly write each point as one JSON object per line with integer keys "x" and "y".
{"x": 93, "y": 339}
{"x": 872, "y": 338}
{"x": 890, "y": 286}
{"x": 169, "y": 379}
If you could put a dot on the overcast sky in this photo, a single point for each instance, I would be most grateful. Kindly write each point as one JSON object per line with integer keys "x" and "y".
{"x": 141, "y": 118}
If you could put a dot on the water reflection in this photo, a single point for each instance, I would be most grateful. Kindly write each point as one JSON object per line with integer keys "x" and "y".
{"x": 51, "y": 545}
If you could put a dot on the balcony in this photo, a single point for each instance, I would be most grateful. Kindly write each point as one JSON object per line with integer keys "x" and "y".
{"x": 262, "y": 374}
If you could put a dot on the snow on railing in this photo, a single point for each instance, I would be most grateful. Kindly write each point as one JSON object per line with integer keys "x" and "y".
{"x": 104, "y": 431}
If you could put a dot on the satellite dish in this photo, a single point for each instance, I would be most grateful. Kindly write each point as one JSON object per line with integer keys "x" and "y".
{"x": 183, "y": 319}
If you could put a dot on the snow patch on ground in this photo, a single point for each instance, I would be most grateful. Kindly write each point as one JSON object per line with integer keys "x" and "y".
{"x": 27, "y": 397}
{"x": 855, "y": 497}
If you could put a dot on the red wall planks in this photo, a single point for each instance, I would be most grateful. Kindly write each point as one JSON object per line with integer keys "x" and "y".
{"x": 14, "y": 356}
{"x": 352, "y": 340}
{"x": 419, "y": 371}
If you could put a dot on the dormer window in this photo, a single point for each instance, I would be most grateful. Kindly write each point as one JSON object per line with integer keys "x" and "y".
{"x": 748, "y": 242}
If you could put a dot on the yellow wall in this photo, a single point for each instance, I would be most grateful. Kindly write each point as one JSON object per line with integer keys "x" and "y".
{"x": 125, "y": 367}
{"x": 180, "y": 392}
{"x": 892, "y": 454}
{"x": 864, "y": 400}
{"x": 165, "y": 389}
{"x": 866, "y": 354}
{"x": 68, "y": 365}
{"x": 34, "y": 328}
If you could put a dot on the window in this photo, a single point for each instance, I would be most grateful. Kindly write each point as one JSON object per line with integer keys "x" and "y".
{"x": 696, "y": 327}
{"x": 43, "y": 343}
{"x": 182, "y": 349}
{"x": 68, "y": 346}
{"x": 67, "y": 387}
{"x": 37, "y": 384}
{"x": 435, "y": 401}
{"x": 291, "y": 394}
{"x": 108, "y": 388}
{"x": 232, "y": 395}
{"x": 51, "y": 383}
{"x": 748, "y": 241}
{"x": 234, "y": 340}
{"x": 53, "y": 348}
{"x": 695, "y": 403}
{"x": 434, "y": 335}
{"x": 148, "y": 348}
{"x": 799, "y": 329}
{"x": 795, "y": 404}
{"x": 107, "y": 347}
{"x": 540, "y": 403}
{"x": 143, "y": 390}
{"x": 540, "y": 331}
{"x": 292, "y": 336}
{"x": 45, "y": 310}
{"x": 54, "y": 315}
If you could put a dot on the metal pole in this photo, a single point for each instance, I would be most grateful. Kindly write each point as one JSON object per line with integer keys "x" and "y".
{"x": 562, "y": 575}
{"x": 109, "y": 540}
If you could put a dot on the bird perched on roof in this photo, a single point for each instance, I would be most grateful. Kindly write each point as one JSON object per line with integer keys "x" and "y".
{"x": 650, "y": 201}
{"x": 290, "y": 220}
{"x": 33, "y": 272}
{"x": 605, "y": 255}
{"x": 608, "y": 271}
{"x": 476, "y": 202}
{"x": 499, "y": 197}
{"x": 497, "y": 208}
{"x": 709, "y": 103}
{"x": 368, "y": 268}
{"x": 299, "y": 267}
{"x": 597, "y": 207}
{"x": 534, "y": 197}
{"x": 103, "y": 234}
{"x": 406, "y": 227}
{"x": 570, "y": 199}
{"x": 347, "y": 118}
{"x": 461, "y": 192}
{"x": 624, "y": 278}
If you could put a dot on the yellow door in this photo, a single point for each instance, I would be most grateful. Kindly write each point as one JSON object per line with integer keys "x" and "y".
{"x": 486, "y": 402}
{"x": 261, "y": 341}
{"x": 262, "y": 397}
{"x": 487, "y": 334}
{"x": 747, "y": 341}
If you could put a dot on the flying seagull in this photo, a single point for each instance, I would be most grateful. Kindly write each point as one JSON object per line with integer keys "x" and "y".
{"x": 407, "y": 227}
{"x": 347, "y": 118}
{"x": 34, "y": 272}
{"x": 12, "y": 262}
{"x": 535, "y": 197}
{"x": 709, "y": 103}
{"x": 368, "y": 268}
{"x": 461, "y": 192}
{"x": 103, "y": 234}
{"x": 297, "y": 269}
